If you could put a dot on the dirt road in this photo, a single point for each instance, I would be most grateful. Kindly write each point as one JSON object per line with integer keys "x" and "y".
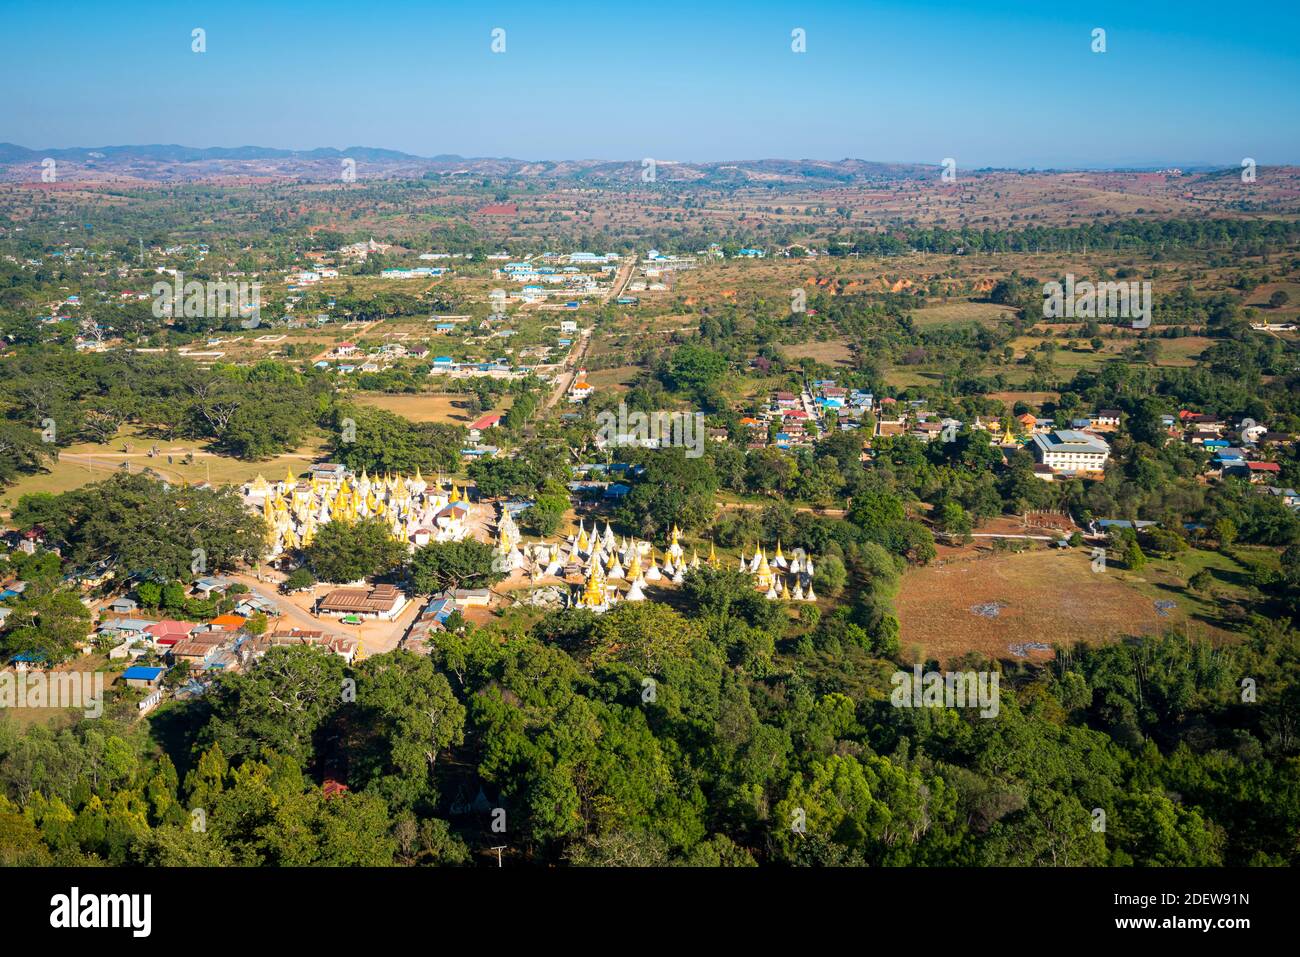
{"x": 354, "y": 335}
{"x": 376, "y": 636}
{"x": 622, "y": 277}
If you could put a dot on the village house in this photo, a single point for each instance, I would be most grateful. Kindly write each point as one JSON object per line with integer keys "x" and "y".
{"x": 1106, "y": 419}
{"x": 251, "y": 604}
{"x": 168, "y": 632}
{"x": 581, "y": 389}
{"x": 199, "y": 650}
{"x": 1226, "y": 458}
{"x": 140, "y": 676}
{"x": 1202, "y": 423}
{"x": 207, "y": 587}
{"x": 1256, "y": 471}
{"x": 481, "y": 425}
{"x": 328, "y": 472}
{"x": 362, "y": 250}
{"x": 927, "y": 431}
{"x": 130, "y": 636}
{"x": 470, "y": 597}
{"x": 123, "y": 606}
{"x": 344, "y": 646}
{"x": 228, "y": 623}
{"x": 1287, "y": 496}
{"x": 429, "y": 622}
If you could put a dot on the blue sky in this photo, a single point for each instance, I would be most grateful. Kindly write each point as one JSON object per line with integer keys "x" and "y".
{"x": 988, "y": 83}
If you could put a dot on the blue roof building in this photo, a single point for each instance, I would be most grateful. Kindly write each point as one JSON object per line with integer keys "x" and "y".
{"x": 142, "y": 673}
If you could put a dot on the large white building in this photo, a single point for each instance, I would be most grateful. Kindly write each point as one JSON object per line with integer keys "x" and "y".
{"x": 1069, "y": 452}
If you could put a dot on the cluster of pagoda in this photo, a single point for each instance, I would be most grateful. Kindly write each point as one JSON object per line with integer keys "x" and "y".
{"x": 774, "y": 576}
{"x": 416, "y": 511}
{"x": 601, "y": 561}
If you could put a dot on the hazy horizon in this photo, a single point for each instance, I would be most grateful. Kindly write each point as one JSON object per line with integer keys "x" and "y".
{"x": 469, "y": 157}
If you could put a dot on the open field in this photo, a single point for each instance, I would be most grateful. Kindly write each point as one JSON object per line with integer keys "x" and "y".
{"x": 1036, "y": 399}
{"x": 1165, "y": 579}
{"x": 430, "y": 406}
{"x": 830, "y": 352}
{"x": 960, "y": 312}
{"x": 63, "y": 717}
{"x": 905, "y": 377}
{"x": 1043, "y": 595}
{"x": 84, "y": 463}
{"x": 1182, "y": 352}
{"x": 617, "y": 379}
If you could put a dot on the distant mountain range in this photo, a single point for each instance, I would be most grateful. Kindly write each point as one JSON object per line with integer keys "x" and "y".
{"x": 171, "y": 153}
{"x": 122, "y": 165}
{"x": 180, "y": 163}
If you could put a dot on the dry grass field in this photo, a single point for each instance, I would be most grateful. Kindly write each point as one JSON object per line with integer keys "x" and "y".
{"x": 57, "y": 718}
{"x": 1043, "y": 595}
{"x": 833, "y": 352}
{"x": 902, "y": 378}
{"x": 1182, "y": 352}
{"x": 960, "y": 312}
{"x": 617, "y": 379}
{"x": 84, "y": 463}
{"x": 1036, "y": 399}
{"x": 428, "y": 406}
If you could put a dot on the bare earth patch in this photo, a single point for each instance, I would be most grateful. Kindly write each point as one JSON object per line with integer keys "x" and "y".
{"x": 1046, "y": 596}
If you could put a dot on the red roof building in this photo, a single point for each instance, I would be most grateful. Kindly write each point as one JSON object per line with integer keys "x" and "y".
{"x": 169, "y": 632}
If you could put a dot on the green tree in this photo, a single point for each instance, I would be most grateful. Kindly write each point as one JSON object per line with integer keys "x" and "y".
{"x": 278, "y": 705}
{"x": 831, "y": 576}
{"x": 449, "y": 566}
{"x": 351, "y": 551}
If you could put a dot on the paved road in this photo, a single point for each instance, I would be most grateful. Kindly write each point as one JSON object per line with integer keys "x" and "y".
{"x": 569, "y": 369}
